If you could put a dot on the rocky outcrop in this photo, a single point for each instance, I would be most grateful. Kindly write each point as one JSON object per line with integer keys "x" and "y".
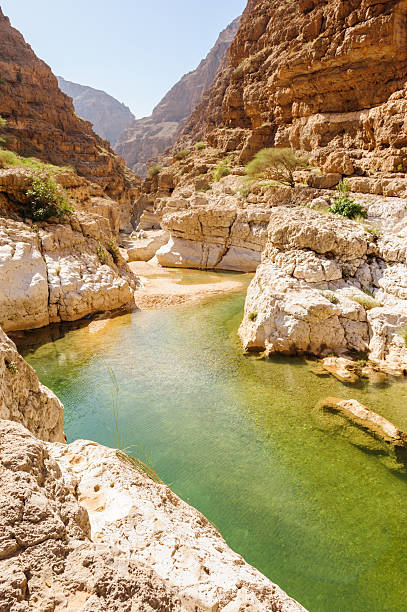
{"x": 149, "y": 137}
{"x": 47, "y": 558}
{"x": 293, "y": 77}
{"x": 24, "y": 399}
{"x": 326, "y": 285}
{"x": 108, "y": 116}
{"x": 148, "y": 524}
{"x": 41, "y": 121}
{"x": 57, "y": 271}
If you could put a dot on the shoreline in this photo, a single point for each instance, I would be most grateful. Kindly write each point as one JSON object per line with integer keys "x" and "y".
{"x": 166, "y": 287}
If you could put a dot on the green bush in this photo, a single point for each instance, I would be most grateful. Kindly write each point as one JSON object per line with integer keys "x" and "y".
{"x": 3, "y": 124}
{"x": 102, "y": 254}
{"x": 276, "y": 164}
{"x": 46, "y": 200}
{"x": 252, "y": 316}
{"x": 113, "y": 250}
{"x": 182, "y": 154}
{"x": 154, "y": 170}
{"x": 220, "y": 171}
{"x": 366, "y": 301}
{"x": 8, "y": 158}
{"x": 403, "y": 333}
{"x": 346, "y": 207}
{"x": 200, "y": 145}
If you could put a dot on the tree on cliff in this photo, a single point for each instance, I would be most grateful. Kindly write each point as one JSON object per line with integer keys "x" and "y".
{"x": 277, "y": 165}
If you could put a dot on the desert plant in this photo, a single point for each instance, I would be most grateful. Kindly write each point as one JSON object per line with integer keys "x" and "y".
{"x": 252, "y": 316}
{"x": 182, "y": 154}
{"x": 344, "y": 205}
{"x": 7, "y": 158}
{"x": 102, "y": 254}
{"x": 46, "y": 200}
{"x": 198, "y": 146}
{"x": 12, "y": 367}
{"x": 220, "y": 171}
{"x": 403, "y": 333}
{"x": 113, "y": 250}
{"x": 330, "y": 296}
{"x": 276, "y": 164}
{"x": 154, "y": 170}
{"x": 366, "y": 301}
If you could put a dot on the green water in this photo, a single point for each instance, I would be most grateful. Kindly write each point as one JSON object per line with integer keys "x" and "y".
{"x": 306, "y": 498}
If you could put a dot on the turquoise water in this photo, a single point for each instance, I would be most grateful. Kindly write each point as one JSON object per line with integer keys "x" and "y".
{"x": 308, "y": 499}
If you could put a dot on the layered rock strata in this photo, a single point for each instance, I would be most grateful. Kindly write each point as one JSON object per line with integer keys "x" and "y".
{"x": 108, "y": 116}
{"x": 56, "y": 271}
{"x": 325, "y": 285}
{"x": 149, "y": 137}
{"x": 41, "y": 121}
{"x": 293, "y": 77}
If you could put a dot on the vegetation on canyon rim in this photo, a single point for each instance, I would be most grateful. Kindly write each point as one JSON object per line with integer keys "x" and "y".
{"x": 277, "y": 165}
{"x": 46, "y": 200}
{"x": 154, "y": 170}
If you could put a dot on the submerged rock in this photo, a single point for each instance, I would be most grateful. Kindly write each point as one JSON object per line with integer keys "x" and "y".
{"x": 374, "y": 424}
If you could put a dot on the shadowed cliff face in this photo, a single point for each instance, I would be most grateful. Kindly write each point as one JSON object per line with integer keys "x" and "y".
{"x": 41, "y": 120}
{"x": 148, "y": 137}
{"x": 313, "y": 75}
{"x": 108, "y": 116}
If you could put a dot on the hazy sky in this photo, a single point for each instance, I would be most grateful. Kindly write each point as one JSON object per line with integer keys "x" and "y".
{"x": 133, "y": 49}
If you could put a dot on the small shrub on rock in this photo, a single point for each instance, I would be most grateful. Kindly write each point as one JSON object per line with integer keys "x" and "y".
{"x": 200, "y": 145}
{"x": 46, "y": 200}
{"x": 3, "y": 123}
{"x": 252, "y": 316}
{"x": 277, "y": 165}
{"x": 183, "y": 154}
{"x": 344, "y": 205}
{"x": 403, "y": 333}
{"x": 154, "y": 170}
{"x": 220, "y": 171}
{"x": 102, "y": 254}
{"x": 113, "y": 250}
{"x": 366, "y": 301}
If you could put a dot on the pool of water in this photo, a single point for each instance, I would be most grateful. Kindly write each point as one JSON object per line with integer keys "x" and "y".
{"x": 308, "y": 499}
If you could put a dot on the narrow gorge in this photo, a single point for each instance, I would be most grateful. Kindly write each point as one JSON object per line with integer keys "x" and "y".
{"x": 203, "y": 344}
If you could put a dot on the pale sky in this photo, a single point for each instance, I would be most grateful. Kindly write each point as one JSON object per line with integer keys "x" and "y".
{"x": 135, "y": 50}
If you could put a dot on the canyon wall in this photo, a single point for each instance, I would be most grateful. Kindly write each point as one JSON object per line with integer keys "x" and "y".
{"x": 41, "y": 120}
{"x": 318, "y": 76}
{"x": 149, "y": 137}
{"x": 108, "y": 116}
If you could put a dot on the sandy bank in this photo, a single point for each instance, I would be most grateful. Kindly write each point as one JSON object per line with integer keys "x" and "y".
{"x": 166, "y": 287}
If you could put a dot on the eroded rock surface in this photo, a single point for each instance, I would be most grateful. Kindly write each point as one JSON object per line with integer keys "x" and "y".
{"x": 324, "y": 285}
{"x": 47, "y": 558}
{"x": 41, "y": 121}
{"x": 24, "y": 399}
{"x": 149, "y": 524}
{"x": 53, "y": 272}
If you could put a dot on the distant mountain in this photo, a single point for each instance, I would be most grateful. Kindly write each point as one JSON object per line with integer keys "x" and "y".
{"x": 108, "y": 116}
{"x": 148, "y": 137}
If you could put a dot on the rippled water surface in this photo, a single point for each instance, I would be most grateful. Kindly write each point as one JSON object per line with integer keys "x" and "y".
{"x": 305, "y": 497}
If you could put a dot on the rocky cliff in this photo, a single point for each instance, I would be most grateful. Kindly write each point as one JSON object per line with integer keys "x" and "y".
{"x": 317, "y": 76}
{"x": 108, "y": 116}
{"x": 41, "y": 120}
{"x": 148, "y": 137}
{"x": 59, "y": 271}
